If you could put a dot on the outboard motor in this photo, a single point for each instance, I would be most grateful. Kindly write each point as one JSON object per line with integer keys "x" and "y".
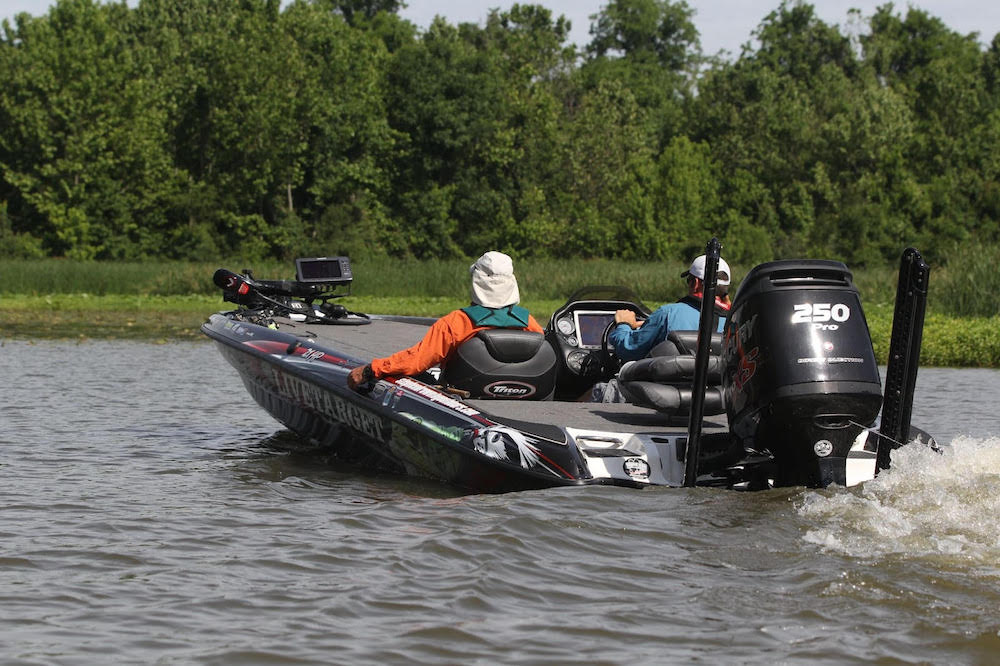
{"x": 800, "y": 374}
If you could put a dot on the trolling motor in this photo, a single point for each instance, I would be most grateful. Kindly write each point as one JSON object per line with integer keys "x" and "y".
{"x": 317, "y": 281}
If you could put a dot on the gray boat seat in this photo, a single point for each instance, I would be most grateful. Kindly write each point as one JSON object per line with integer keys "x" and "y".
{"x": 663, "y": 380}
{"x": 504, "y": 363}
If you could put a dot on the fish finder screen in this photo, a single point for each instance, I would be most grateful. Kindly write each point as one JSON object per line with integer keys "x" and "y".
{"x": 323, "y": 269}
{"x": 590, "y": 327}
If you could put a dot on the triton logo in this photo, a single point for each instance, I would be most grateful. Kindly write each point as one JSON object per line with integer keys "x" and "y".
{"x": 509, "y": 389}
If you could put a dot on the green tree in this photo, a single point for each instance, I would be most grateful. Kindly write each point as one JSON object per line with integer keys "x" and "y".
{"x": 529, "y": 45}
{"x": 348, "y": 147}
{"x": 193, "y": 128}
{"x": 795, "y": 43}
{"x": 609, "y": 168}
{"x": 651, "y": 46}
{"x": 239, "y": 126}
{"x": 477, "y": 108}
{"x": 940, "y": 75}
{"x": 358, "y": 11}
{"x": 443, "y": 96}
{"x": 687, "y": 200}
{"x": 657, "y": 31}
{"x": 84, "y": 156}
{"x": 814, "y": 143}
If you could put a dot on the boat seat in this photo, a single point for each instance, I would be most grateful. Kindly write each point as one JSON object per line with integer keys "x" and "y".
{"x": 663, "y": 380}
{"x": 504, "y": 363}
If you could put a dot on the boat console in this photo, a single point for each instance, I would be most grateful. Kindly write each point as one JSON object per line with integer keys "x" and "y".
{"x": 577, "y": 332}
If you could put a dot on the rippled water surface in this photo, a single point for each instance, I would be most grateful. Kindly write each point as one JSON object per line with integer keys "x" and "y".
{"x": 151, "y": 513}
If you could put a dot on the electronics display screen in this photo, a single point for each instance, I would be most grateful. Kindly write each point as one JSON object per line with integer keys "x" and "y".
{"x": 324, "y": 269}
{"x": 590, "y": 327}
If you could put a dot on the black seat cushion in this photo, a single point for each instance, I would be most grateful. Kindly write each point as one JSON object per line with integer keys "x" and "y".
{"x": 663, "y": 380}
{"x": 511, "y": 345}
{"x": 671, "y": 399}
{"x": 670, "y": 370}
{"x": 504, "y": 363}
{"x": 686, "y": 342}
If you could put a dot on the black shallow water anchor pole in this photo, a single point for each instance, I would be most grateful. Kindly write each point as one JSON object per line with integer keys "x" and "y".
{"x": 904, "y": 354}
{"x": 712, "y": 251}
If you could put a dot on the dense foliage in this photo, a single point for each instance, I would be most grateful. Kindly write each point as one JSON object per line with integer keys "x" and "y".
{"x": 197, "y": 129}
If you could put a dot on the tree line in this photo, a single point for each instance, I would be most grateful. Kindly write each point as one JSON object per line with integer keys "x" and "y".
{"x": 200, "y": 129}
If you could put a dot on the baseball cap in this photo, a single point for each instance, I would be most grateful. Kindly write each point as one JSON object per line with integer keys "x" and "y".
{"x": 723, "y": 274}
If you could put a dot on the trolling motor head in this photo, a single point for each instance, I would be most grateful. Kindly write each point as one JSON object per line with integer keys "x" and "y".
{"x": 800, "y": 374}
{"x": 316, "y": 279}
{"x": 236, "y": 288}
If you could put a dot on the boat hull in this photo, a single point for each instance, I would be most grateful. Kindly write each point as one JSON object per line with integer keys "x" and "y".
{"x": 401, "y": 426}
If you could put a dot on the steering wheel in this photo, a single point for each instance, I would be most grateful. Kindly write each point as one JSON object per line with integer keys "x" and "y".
{"x": 610, "y": 363}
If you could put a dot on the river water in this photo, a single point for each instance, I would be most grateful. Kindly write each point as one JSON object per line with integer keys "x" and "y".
{"x": 151, "y": 513}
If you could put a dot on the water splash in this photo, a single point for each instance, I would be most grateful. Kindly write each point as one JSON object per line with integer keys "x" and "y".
{"x": 938, "y": 505}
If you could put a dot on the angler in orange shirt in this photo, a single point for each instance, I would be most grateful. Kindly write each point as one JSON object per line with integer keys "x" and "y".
{"x": 495, "y": 300}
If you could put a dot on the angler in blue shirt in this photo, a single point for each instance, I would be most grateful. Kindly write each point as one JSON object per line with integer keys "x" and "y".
{"x": 633, "y": 340}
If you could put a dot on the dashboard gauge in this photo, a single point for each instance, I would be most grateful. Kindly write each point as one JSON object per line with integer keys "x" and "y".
{"x": 571, "y": 340}
{"x": 575, "y": 361}
{"x": 565, "y": 326}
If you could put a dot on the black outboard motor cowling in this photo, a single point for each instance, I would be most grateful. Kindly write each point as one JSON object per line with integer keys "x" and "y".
{"x": 799, "y": 370}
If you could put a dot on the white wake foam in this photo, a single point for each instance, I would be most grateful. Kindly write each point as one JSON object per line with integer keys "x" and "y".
{"x": 927, "y": 504}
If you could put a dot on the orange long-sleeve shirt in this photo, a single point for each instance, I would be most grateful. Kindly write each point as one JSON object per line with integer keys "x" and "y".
{"x": 437, "y": 345}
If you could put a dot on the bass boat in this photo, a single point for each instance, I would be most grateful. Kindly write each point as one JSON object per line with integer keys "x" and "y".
{"x": 789, "y": 395}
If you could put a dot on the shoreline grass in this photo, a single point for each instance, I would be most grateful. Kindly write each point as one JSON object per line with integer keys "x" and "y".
{"x": 66, "y": 299}
{"x": 955, "y": 290}
{"x": 947, "y": 341}
{"x": 544, "y": 279}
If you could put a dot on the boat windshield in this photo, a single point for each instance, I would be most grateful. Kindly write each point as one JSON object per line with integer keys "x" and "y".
{"x": 605, "y": 293}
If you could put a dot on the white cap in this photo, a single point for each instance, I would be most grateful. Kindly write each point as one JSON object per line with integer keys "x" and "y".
{"x": 493, "y": 281}
{"x": 723, "y": 274}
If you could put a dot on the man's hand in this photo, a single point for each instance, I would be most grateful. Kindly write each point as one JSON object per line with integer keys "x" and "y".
{"x": 626, "y": 317}
{"x": 362, "y": 374}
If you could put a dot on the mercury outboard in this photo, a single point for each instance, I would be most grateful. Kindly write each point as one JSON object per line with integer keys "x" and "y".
{"x": 800, "y": 373}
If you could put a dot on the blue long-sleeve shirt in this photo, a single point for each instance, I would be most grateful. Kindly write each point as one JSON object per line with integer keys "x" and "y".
{"x": 631, "y": 344}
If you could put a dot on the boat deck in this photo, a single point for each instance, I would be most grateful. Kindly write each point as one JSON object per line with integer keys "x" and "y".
{"x": 386, "y": 335}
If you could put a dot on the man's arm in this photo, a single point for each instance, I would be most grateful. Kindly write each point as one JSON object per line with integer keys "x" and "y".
{"x": 437, "y": 344}
{"x": 631, "y": 344}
